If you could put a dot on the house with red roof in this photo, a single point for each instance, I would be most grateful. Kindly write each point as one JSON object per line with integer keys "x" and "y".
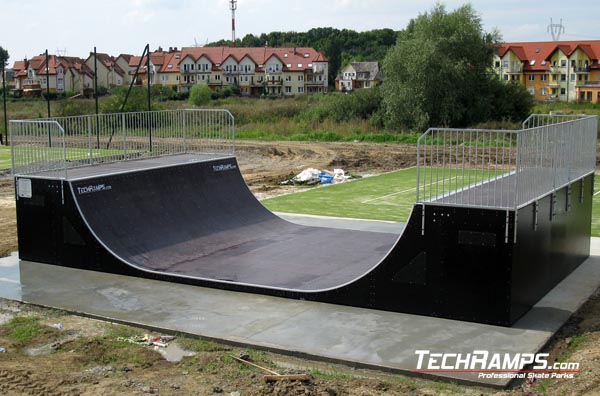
{"x": 567, "y": 71}
{"x": 110, "y": 74}
{"x": 255, "y": 71}
{"x": 58, "y": 74}
{"x": 164, "y": 68}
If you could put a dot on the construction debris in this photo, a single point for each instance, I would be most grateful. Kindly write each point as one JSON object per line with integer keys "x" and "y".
{"x": 159, "y": 341}
{"x": 274, "y": 375}
{"x": 311, "y": 176}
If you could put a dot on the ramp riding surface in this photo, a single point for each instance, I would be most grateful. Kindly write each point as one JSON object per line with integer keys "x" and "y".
{"x": 202, "y": 221}
{"x": 192, "y": 219}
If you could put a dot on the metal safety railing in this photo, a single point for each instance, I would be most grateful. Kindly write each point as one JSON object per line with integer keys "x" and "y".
{"x": 505, "y": 169}
{"x": 68, "y": 142}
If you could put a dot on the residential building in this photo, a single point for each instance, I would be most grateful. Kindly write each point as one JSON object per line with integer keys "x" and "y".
{"x": 567, "y": 71}
{"x": 110, "y": 74}
{"x": 257, "y": 70}
{"x": 164, "y": 68}
{"x": 33, "y": 76}
{"x": 123, "y": 62}
{"x": 359, "y": 75}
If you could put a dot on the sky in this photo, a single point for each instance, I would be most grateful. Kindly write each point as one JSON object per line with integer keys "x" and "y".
{"x": 29, "y": 27}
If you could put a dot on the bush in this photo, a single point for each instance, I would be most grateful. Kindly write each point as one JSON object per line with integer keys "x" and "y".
{"x": 137, "y": 101}
{"x": 200, "y": 95}
{"x": 74, "y": 107}
{"x": 163, "y": 93}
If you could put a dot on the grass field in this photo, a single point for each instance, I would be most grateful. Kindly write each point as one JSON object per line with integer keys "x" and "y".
{"x": 385, "y": 197}
{"x": 5, "y": 157}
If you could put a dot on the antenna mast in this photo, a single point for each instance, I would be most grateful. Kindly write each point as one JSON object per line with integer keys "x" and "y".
{"x": 233, "y": 7}
{"x": 556, "y": 29}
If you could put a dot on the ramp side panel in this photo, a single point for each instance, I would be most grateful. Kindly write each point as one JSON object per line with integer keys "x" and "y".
{"x": 549, "y": 251}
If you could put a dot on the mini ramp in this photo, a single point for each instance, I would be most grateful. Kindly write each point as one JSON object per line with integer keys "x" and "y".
{"x": 479, "y": 246}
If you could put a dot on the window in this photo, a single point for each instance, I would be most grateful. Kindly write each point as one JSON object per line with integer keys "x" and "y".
{"x": 531, "y": 90}
{"x": 544, "y": 77}
{"x": 367, "y": 84}
{"x": 505, "y": 64}
{"x": 563, "y": 91}
{"x": 543, "y": 91}
{"x": 497, "y": 64}
{"x": 203, "y": 77}
{"x": 300, "y": 89}
{"x": 531, "y": 77}
{"x": 563, "y": 63}
{"x": 218, "y": 77}
{"x": 288, "y": 78}
{"x": 227, "y": 79}
{"x": 300, "y": 65}
{"x": 300, "y": 78}
{"x": 506, "y": 77}
{"x": 563, "y": 77}
{"x": 288, "y": 89}
{"x": 192, "y": 66}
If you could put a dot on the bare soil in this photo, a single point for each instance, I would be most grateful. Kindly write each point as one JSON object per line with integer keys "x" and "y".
{"x": 87, "y": 358}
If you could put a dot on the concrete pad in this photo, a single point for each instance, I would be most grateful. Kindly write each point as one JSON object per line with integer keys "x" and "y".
{"x": 354, "y": 336}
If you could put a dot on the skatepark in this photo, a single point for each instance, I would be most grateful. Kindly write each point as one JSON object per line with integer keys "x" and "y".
{"x": 501, "y": 218}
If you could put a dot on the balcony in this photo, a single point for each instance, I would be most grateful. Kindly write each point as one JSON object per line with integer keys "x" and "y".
{"x": 314, "y": 83}
{"x": 274, "y": 82}
{"x": 554, "y": 84}
{"x": 556, "y": 69}
{"x": 231, "y": 72}
{"x": 514, "y": 70}
{"x": 581, "y": 70}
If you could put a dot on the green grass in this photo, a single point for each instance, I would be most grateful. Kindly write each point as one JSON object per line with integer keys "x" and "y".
{"x": 5, "y": 157}
{"x": 596, "y": 208}
{"x": 385, "y": 197}
{"x": 23, "y": 328}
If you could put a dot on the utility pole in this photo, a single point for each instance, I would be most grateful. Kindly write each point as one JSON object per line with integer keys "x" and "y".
{"x": 48, "y": 82}
{"x": 233, "y": 7}
{"x": 2, "y": 61}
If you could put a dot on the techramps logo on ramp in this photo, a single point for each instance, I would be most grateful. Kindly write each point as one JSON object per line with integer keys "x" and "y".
{"x": 224, "y": 167}
{"x": 93, "y": 188}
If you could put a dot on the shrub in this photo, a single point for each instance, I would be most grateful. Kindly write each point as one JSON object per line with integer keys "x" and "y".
{"x": 200, "y": 95}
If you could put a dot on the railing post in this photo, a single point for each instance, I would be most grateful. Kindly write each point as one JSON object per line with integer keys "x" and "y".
{"x": 90, "y": 139}
{"x": 124, "y": 136}
{"x": 184, "y": 127}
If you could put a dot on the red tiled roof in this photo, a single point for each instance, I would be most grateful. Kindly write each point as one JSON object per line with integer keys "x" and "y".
{"x": 170, "y": 59}
{"x": 533, "y": 54}
{"x": 259, "y": 55}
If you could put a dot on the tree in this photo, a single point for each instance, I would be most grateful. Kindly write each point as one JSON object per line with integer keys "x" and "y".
{"x": 200, "y": 95}
{"x": 3, "y": 63}
{"x": 437, "y": 74}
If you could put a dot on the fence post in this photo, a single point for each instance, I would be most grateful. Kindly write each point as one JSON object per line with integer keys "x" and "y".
{"x": 124, "y": 136}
